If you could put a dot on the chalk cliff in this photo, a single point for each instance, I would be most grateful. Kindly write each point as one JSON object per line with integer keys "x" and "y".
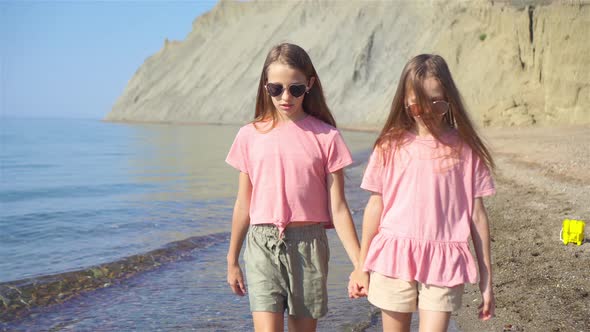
{"x": 516, "y": 63}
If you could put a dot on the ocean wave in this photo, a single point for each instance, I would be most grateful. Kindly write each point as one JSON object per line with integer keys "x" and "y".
{"x": 11, "y": 196}
{"x": 16, "y": 166}
{"x": 18, "y": 298}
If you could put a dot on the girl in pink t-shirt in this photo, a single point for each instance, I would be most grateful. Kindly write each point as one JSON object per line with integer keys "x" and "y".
{"x": 427, "y": 175}
{"x": 291, "y": 188}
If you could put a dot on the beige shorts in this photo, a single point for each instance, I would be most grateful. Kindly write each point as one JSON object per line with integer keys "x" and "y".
{"x": 288, "y": 273}
{"x": 402, "y": 296}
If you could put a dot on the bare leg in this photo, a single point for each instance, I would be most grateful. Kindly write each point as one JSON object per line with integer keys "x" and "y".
{"x": 396, "y": 321}
{"x": 268, "y": 321}
{"x": 434, "y": 321}
{"x": 302, "y": 324}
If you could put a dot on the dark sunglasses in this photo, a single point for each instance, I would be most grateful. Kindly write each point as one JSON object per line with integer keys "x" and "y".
{"x": 439, "y": 107}
{"x": 296, "y": 90}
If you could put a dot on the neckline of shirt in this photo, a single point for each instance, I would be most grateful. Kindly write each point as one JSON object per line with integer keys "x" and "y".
{"x": 282, "y": 124}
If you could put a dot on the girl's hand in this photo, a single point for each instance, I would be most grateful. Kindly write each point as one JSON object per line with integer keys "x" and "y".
{"x": 487, "y": 308}
{"x": 358, "y": 285}
{"x": 235, "y": 279}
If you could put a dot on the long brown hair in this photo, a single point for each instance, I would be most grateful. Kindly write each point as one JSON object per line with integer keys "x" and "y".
{"x": 412, "y": 78}
{"x": 314, "y": 102}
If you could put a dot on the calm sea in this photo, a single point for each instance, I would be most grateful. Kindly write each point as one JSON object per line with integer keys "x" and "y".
{"x": 76, "y": 194}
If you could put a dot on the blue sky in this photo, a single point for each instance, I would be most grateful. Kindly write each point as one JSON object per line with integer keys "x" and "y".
{"x": 73, "y": 58}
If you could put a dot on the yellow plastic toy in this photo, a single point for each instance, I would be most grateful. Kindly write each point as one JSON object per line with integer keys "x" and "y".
{"x": 572, "y": 231}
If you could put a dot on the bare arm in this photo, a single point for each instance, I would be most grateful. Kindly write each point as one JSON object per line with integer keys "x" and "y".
{"x": 239, "y": 228}
{"x": 341, "y": 216}
{"x": 359, "y": 280}
{"x": 480, "y": 234}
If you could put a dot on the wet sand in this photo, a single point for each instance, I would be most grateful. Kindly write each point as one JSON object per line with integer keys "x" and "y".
{"x": 542, "y": 177}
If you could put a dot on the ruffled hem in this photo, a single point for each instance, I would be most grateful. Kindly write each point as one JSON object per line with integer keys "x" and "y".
{"x": 436, "y": 263}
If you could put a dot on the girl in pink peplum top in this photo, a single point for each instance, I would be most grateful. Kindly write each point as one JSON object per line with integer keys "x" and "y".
{"x": 427, "y": 175}
{"x": 291, "y": 188}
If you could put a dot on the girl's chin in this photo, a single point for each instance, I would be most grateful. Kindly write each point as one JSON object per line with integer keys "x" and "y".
{"x": 290, "y": 112}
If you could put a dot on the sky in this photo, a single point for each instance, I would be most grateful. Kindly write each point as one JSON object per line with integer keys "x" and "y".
{"x": 73, "y": 59}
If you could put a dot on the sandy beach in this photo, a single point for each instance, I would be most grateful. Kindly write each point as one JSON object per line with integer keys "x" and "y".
{"x": 540, "y": 284}
{"x": 542, "y": 177}
{"x": 520, "y": 66}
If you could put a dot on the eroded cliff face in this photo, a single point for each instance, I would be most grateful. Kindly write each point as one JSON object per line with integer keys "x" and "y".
{"x": 515, "y": 65}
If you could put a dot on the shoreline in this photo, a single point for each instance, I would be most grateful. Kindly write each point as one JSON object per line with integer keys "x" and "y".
{"x": 20, "y": 298}
{"x": 360, "y": 128}
{"x": 368, "y": 129}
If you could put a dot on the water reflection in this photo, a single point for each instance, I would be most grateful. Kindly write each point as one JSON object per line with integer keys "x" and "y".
{"x": 189, "y": 161}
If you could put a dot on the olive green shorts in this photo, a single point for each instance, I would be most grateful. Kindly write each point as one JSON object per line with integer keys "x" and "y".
{"x": 289, "y": 272}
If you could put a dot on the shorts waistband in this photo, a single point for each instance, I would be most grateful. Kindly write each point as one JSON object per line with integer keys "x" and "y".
{"x": 292, "y": 233}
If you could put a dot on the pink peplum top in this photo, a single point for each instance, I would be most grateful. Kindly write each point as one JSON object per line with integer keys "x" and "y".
{"x": 428, "y": 191}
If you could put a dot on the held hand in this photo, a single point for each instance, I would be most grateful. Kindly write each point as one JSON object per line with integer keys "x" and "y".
{"x": 235, "y": 279}
{"x": 353, "y": 289}
{"x": 487, "y": 308}
{"x": 358, "y": 285}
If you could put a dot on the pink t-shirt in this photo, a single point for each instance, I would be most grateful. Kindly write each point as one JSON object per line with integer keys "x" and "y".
{"x": 428, "y": 192}
{"x": 288, "y": 168}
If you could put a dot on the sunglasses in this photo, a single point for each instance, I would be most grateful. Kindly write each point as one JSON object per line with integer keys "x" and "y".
{"x": 438, "y": 107}
{"x": 296, "y": 89}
